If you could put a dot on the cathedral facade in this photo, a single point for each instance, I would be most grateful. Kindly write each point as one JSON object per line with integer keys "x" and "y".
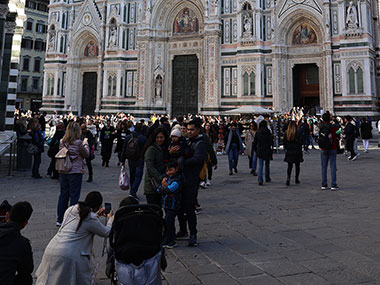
{"x": 208, "y": 56}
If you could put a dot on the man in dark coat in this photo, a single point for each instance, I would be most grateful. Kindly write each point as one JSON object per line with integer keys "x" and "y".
{"x": 192, "y": 168}
{"x": 349, "y": 133}
{"x": 107, "y": 136}
{"x": 262, "y": 146}
{"x": 91, "y": 142}
{"x": 16, "y": 258}
{"x": 366, "y": 133}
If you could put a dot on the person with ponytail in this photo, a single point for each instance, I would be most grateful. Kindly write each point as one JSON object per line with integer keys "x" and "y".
{"x": 68, "y": 258}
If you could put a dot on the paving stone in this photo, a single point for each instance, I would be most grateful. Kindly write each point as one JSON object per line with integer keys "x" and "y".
{"x": 322, "y": 264}
{"x": 216, "y": 278}
{"x": 226, "y": 258}
{"x": 282, "y": 267}
{"x": 181, "y": 278}
{"x": 345, "y": 276}
{"x": 242, "y": 270}
{"x": 304, "y": 278}
{"x": 263, "y": 279}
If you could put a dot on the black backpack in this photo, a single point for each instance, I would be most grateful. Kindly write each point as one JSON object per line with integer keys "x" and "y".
{"x": 132, "y": 150}
{"x": 325, "y": 138}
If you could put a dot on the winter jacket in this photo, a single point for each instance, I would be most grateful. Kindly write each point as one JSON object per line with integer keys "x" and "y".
{"x": 366, "y": 131}
{"x": 193, "y": 165}
{"x": 16, "y": 257}
{"x": 210, "y": 150}
{"x": 54, "y": 144}
{"x": 249, "y": 138}
{"x": 68, "y": 258}
{"x": 155, "y": 167}
{"x": 263, "y": 143}
{"x": 77, "y": 152}
{"x": 333, "y": 129}
{"x": 240, "y": 144}
{"x": 293, "y": 149}
{"x": 141, "y": 141}
{"x": 37, "y": 140}
{"x": 172, "y": 194}
{"x": 349, "y": 133}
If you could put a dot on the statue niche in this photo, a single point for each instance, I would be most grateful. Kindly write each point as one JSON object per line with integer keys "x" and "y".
{"x": 247, "y": 22}
{"x": 186, "y": 22}
{"x": 112, "y": 41}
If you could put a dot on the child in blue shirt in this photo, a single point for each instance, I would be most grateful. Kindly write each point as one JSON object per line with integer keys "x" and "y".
{"x": 171, "y": 191}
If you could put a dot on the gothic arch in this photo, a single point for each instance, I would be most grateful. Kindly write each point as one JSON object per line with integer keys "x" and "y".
{"x": 81, "y": 40}
{"x": 293, "y": 20}
{"x": 163, "y": 15}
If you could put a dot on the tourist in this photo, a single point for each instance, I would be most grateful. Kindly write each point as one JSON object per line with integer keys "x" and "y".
{"x": 328, "y": 145}
{"x": 170, "y": 189}
{"x": 106, "y": 138}
{"x": 68, "y": 258}
{"x": 54, "y": 148}
{"x": 349, "y": 134}
{"x": 155, "y": 155}
{"x": 16, "y": 256}
{"x": 86, "y": 134}
{"x": 38, "y": 141}
{"x": 234, "y": 146}
{"x": 211, "y": 138}
{"x": 122, "y": 131}
{"x": 293, "y": 151}
{"x": 135, "y": 159}
{"x": 366, "y": 133}
{"x": 71, "y": 181}
{"x": 249, "y": 138}
{"x": 192, "y": 168}
{"x": 262, "y": 146}
{"x": 42, "y": 122}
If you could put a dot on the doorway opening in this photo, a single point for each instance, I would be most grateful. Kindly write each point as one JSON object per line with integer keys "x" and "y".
{"x": 185, "y": 85}
{"x": 89, "y": 93}
{"x": 306, "y": 87}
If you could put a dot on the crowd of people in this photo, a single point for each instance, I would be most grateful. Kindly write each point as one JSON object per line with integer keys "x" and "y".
{"x": 178, "y": 155}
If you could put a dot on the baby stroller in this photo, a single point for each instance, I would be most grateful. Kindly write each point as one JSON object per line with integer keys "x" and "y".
{"x": 136, "y": 255}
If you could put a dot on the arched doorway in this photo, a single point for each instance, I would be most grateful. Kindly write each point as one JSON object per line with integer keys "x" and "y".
{"x": 306, "y": 86}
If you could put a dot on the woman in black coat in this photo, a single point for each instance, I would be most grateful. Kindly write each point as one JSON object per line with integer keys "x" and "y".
{"x": 293, "y": 147}
{"x": 366, "y": 132}
{"x": 262, "y": 145}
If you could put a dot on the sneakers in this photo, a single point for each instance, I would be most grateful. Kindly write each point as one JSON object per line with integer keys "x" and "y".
{"x": 236, "y": 171}
{"x": 58, "y": 224}
{"x": 334, "y": 188}
{"x": 356, "y": 156}
{"x": 203, "y": 185}
{"x": 324, "y": 188}
{"x": 135, "y": 197}
{"x": 261, "y": 183}
{"x": 181, "y": 235}
{"x": 169, "y": 245}
{"x": 208, "y": 183}
{"x": 254, "y": 173}
{"x": 193, "y": 241}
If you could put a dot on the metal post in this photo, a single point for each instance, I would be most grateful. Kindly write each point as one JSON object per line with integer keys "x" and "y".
{"x": 10, "y": 160}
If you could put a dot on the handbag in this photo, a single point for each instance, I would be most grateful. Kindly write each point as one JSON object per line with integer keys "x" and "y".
{"x": 63, "y": 162}
{"x": 123, "y": 180}
{"x": 32, "y": 148}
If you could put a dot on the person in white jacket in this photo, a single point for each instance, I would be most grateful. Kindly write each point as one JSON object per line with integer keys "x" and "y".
{"x": 68, "y": 258}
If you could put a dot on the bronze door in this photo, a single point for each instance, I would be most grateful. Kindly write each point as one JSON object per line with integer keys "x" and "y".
{"x": 185, "y": 85}
{"x": 89, "y": 93}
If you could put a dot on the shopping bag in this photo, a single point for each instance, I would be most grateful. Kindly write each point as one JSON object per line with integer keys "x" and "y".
{"x": 123, "y": 180}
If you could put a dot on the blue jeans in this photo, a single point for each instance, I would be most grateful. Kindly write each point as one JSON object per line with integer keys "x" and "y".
{"x": 233, "y": 156}
{"x": 326, "y": 156}
{"x": 252, "y": 161}
{"x": 267, "y": 171}
{"x": 36, "y": 164}
{"x": 136, "y": 171}
{"x": 71, "y": 185}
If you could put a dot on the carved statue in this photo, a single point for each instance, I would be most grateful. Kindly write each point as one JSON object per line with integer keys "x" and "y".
{"x": 112, "y": 39}
{"x": 352, "y": 16}
{"x": 51, "y": 44}
{"x": 247, "y": 24}
{"x": 158, "y": 86}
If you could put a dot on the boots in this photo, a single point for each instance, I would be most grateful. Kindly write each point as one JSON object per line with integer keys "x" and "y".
{"x": 288, "y": 181}
{"x": 89, "y": 178}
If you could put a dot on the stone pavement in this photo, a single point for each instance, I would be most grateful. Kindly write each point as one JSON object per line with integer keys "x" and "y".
{"x": 249, "y": 234}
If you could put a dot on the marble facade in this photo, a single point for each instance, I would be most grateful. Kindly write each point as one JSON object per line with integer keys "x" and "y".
{"x": 246, "y": 52}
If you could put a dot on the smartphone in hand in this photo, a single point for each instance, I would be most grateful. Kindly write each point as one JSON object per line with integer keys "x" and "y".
{"x": 108, "y": 208}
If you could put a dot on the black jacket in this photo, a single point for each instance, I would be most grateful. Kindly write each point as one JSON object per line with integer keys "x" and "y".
{"x": 366, "y": 131}
{"x": 193, "y": 165}
{"x": 16, "y": 257}
{"x": 293, "y": 149}
{"x": 141, "y": 140}
{"x": 263, "y": 143}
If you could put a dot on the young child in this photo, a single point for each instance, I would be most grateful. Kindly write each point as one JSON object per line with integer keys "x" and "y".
{"x": 171, "y": 192}
{"x": 178, "y": 148}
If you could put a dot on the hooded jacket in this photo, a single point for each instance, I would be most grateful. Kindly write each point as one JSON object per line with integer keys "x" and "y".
{"x": 16, "y": 258}
{"x": 263, "y": 143}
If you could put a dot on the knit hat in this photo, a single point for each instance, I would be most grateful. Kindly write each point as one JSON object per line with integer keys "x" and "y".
{"x": 175, "y": 132}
